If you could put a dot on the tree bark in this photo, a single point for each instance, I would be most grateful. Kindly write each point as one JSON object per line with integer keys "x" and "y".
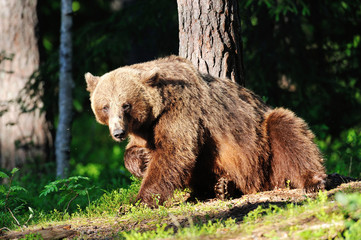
{"x": 209, "y": 36}
{"x": 63, "y": 133}
{"x": 24, "y": 132}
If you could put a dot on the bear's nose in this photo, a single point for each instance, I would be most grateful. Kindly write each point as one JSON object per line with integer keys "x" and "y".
{"x": 119, "y": 134}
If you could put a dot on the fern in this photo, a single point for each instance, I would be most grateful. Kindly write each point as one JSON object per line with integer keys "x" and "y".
{"x": 51, "y": 187}
{"x": 3, "y": 175}
{"x": 69, "y": 189}
{"x": 10, "y": 202}
{"x": 17, "y": 188}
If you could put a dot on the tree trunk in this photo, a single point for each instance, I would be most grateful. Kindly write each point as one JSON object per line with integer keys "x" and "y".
{"x": 24, "y": 132}
{"x": 63, "y": 133}
{"x": 209, "y": 36}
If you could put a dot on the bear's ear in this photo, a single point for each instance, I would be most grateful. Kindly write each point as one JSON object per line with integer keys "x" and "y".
{"x": 91, "y": 82}
{"x": 151, "y": 77}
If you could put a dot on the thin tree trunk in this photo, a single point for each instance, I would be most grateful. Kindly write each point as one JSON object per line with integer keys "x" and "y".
{"x": 209, "y": 36}
{"x": 63, "y": 133}
{"x": 24, "y": 132}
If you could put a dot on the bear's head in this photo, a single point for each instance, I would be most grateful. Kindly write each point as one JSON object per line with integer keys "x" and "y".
{"x": 125, "y": 99}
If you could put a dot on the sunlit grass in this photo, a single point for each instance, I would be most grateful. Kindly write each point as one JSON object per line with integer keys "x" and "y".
{"x": 325, "y": 217}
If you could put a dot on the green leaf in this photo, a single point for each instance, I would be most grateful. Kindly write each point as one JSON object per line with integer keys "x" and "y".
{"x": 61, "y": 200}
{"x": 351, "y": 136}
{"x": 48, "y": 189}
{"x": 3, "y": 189}
{"x": 14, "y": 171}
{"x": 76, "y": 178}
{"x": 268, "y": 3}
{"x": 82, "y": 192}
{"x": 3, "y": 175}
{"x": 76, "y": 186}
{"x": 17, "y": 188}
{"x": 75, "y": 6}
{"x": 356, "y": 41}
{"x": 344, "y": 5}
{"x": 248, "y": 3}
{"x": 77, "y": 106}
{"x": 305, "y": 11}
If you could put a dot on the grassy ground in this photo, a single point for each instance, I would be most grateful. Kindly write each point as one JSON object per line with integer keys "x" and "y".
{"x": 279, "y": 214}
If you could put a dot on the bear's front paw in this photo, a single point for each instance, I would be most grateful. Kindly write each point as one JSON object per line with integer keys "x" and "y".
{"x": 136, "y": 160}
{"x": 144, "y": 154}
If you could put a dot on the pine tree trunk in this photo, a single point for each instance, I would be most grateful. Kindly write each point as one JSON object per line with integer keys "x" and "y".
{"x": 209, "y": 36}
{"x": 63, "y": 133}
{"x": 24, "y": 132}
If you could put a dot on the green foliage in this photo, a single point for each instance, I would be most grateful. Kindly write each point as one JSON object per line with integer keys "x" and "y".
{"x": 278, "y": 9}
{"x": 69, "y": 189}
{"x": 343, "y": 154}
{"x": 115, "y": 200}
{"x": 11, "y": 203}
{"x": 354, "y": 231}
{"x": 68, "y": 185}
{"x": 3, "y": 175}
{"x": 159, "y": 233}
{"x": 271, "y": 220}
{"x": 261, "y": 211}
{"x": 194, "y": 231}
{"x": 351, "y": 204}
{"x": 300, "y": 55}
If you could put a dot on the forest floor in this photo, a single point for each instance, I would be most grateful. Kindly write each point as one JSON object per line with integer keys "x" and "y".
{"x": 278, "y": 214}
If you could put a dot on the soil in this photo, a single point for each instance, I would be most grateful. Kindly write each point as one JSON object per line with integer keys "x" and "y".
{"x": 236, "y": 209}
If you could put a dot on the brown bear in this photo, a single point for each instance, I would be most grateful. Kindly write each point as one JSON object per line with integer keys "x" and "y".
{"x": 189, "y": 129}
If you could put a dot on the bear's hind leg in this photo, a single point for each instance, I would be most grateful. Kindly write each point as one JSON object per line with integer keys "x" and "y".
{"x": 296, "y": 161}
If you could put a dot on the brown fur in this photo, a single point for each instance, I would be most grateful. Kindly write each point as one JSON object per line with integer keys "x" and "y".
{"x": 187, "y": 129}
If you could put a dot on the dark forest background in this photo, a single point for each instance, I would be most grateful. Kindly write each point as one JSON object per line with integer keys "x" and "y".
{"x": 302, "y": 55}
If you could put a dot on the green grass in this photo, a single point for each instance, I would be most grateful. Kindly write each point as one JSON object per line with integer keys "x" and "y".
{"x": 312, "y": 219}
{"x": 326, "y": 216}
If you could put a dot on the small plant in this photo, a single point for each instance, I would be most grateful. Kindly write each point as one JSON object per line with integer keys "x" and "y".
{"x": 9, "y": 200}
{"x": 69, "y": 189}
{"x": 288, "y": 184}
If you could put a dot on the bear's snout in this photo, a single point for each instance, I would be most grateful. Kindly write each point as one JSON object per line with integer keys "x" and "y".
{"x": 119, "y": 134}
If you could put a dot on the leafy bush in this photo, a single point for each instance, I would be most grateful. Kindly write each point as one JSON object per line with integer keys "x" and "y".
{"x": 69, "y": 189}
{"x": 11, "y": 204}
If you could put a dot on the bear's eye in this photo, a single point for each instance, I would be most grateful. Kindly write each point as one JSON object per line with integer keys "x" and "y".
{"x": 105, "y": 109}
{"x": 126, "y": 107}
